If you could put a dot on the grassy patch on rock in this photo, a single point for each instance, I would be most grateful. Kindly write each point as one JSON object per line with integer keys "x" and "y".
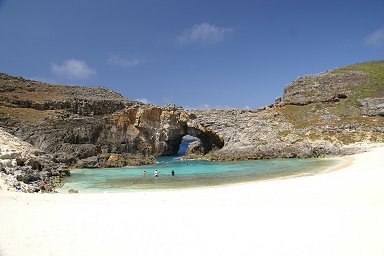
{"x": 373, "y": 88}
{"x": 27, "y": 114}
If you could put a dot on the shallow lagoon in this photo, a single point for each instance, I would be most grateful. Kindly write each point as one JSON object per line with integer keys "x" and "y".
{"x": 189, "y": 173}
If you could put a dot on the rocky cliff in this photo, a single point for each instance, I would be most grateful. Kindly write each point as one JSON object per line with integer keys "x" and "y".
{"x": 324, "y": 87}
{"x": 331, "y": 113}
{"x": 74, "y": 123}
{"x": 17, "y": 92}
{"x": 336, "y": 112}
{"x": 24, "y": 165}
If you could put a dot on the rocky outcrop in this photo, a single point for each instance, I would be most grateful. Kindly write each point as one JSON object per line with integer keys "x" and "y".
{"x": 76, "y": 106}
{"x": 28, "y": 165}
{"x": 146, "y": 130}
{"x": 245, "y": 133}
{"x": 115, "y": 160}
{"x": 78, "y": 122}
{"x": 18, "y": 92}
{"x": 372, "y": 106}
{"x": 195, "y": 149}
{"x": 153, "y": 130}
{"x": 272, "y": 134}
{"x": 324, "y": 87}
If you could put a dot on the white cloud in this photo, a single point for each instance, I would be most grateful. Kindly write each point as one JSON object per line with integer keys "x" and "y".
{"x": 376, "y": 38}
{"x": 116, "y": 60}
{"x": 73, "y": 69}
{"x": 203, "y": 33}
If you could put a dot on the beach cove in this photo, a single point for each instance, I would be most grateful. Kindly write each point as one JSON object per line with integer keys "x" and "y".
{"x": 189, "y": 174}
{"x": 332, "y": 213}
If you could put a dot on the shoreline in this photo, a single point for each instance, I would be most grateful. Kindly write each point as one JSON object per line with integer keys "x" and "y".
{"x": 336, "y": 212}
{"x": 340, "y": 162}
{"x": 4, "y": 179}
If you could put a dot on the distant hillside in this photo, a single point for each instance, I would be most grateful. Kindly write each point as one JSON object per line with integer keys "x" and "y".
{"x": 346, "y": 105}
{"x": 25, "y": 89}
{"x": 369, "y": 96}
{"x": 17, "y": 92}
{"x": 358, "y": 87}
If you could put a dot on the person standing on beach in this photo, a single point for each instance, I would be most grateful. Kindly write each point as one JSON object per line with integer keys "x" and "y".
{"x": 156, "y": 174}
{"x": 173, "y": 173}
{"x": 144, "y": 173}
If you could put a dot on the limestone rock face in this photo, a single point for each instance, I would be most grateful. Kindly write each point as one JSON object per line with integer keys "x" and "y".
{"x": 247, "y": 134}
{"x": 82, "y": 100}
{"x": 323, "y": 87}
{"x": 195, "y": 148}
{"x": 71, "y": 134}
{"x": 77, "y": 106}
{"x": 152, "y": 130}
{"x": 148, "y": 130}
{"x": 372, "y": 106}
{"x": 286, "y": 132}
{"x": 26, "y": 163}
{"x": 115, "y": 160}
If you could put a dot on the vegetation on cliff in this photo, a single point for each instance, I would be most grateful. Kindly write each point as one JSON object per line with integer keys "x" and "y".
{"x": 355, "y": 117}
{"x": 336, "y": 112}
{"x": 373, "y": 88}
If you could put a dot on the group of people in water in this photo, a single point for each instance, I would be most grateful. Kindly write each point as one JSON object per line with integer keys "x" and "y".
{"x": 156, "y": 173}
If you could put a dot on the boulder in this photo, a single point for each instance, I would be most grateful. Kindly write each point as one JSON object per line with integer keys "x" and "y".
{"x": 372, "y": 106}
{"x": 115, "y": 160}
{"x": 21, "y": 160}
{"x": 278, "y": 101}
{"x": 195, "y": 148}
{"x": 34, "y": 163}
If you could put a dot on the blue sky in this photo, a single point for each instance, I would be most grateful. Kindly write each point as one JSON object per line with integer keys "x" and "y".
{"x": 227, "y": 53}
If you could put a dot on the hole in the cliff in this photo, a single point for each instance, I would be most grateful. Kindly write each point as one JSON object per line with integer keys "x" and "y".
{"x": 186, "y": 140}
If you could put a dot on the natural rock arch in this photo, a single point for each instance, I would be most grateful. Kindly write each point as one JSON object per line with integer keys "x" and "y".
{"x": 153, "y": 131}
{"x": 209, "y": 139}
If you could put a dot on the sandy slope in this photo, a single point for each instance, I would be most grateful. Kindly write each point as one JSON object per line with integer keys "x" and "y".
{"x": 335, "y": 213}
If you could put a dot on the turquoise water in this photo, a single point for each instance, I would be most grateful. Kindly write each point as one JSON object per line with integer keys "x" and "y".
{"x": 189, "y": 173}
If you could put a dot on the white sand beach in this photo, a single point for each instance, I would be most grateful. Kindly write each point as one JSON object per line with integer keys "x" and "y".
{"x": 333, "y": 213}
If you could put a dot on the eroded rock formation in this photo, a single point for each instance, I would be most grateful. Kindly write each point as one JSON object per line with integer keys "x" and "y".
{"x": 195, "y": 149}
{"x": 332, "y": 113}
{"x": 26, "y": 165}
{"x": 75, "y": 123}
{"x": 324, "y": 87}
{"x": 372, "y": 106}
{"x": 153, "y": 130}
